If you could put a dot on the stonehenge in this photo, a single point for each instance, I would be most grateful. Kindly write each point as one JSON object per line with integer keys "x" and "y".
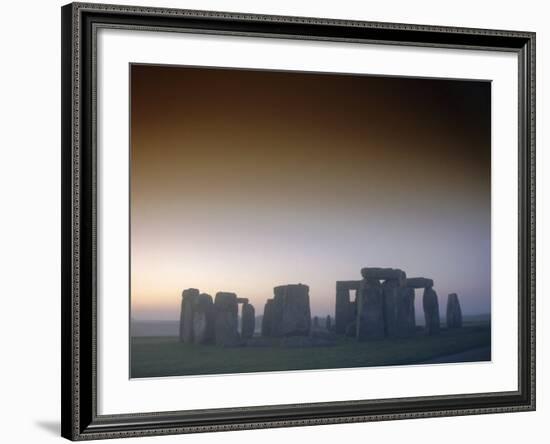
{"x": 207, "y": 321}
{"x": 384, "y": 305}
{"x": 288, "y": 312}
{"x": 454, "y": 313}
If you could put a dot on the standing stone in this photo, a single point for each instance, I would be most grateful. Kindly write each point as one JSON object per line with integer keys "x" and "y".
{"x": 248, "y": 321}
{"x": 328, "y": 323}
{"x": 188, "y": 300}
{"x": 345, "y": 312}
{"x": 454, "y": 312}
{"x": 203, "y": 320}
{"x": 370, "y": 310}
{"x": 391, "y": 288}
{"x": 226, "y": 319}
{"x": 277, "y": 311}
{"x": 267, "y": 318}
{"x": 431, "y": 311}
{"x": 315, "y": 322}
{"x": 406, "y": 322}
{"x": 351, "y": 330}
{"x": 296, "y": 313}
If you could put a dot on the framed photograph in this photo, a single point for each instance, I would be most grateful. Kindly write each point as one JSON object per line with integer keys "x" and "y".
{"x": 281, "y": 221}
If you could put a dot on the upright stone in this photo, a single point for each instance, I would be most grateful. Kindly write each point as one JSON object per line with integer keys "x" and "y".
{"x": 296, "y": 319}
{"x": 406, "y": 322}
{"x": 277, "y": 311}
{"x": 431, "y": 311}
{"x": 226, "y": 319}
{"x": 328, "y": 323}
{"x": 370, "y": 310}
{"x": 203, "y": 320}
{"x": 267, "y": 319}
{"x": 248, "y": 321}
{"x": 391, "y": 292}
{"x": 345, "y": 312}
{"x": 188, "y": 300}
{"x": 454, "y": 312}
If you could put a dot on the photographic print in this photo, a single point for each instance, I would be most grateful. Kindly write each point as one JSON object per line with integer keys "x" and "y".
{"x": 285, "y": 220}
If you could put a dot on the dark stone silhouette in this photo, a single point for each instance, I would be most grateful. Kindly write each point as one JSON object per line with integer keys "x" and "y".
{"x": 346, "y": 310}
{"x": 296, "y": 319}
{"x": 288, "y": 313}
{"x": 384, "y": 274}
{"x": 431, "y": 311}
{"x": 370, "y": 310}
{"x": 351, "y": 330}
{"x": 391, "y": 290}
{"x": 203, "y": 320}
{"x": 406, "y": 320}
{"x": 384, "y": 306}
{"x": 315, "y": 322}
{"x": 248, "y": 321}
{"x": 267, "y": 319}
{"x": 226, "y": 319}
{"x": 454, "y": 313}
{"x": 429, "y": 302}
{"x": 419, "y": 282}
{"x": 188, "y": 300}
{"x": 328, "y": 323}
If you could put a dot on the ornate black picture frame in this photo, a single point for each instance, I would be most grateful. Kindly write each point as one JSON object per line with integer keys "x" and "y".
{"x": 80, "y": 419}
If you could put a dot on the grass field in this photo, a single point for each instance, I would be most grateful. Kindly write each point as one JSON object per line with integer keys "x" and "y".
{"x": 166, "y": 356}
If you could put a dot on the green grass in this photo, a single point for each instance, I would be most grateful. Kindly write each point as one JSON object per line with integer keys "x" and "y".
{"x": 166, "y": 356}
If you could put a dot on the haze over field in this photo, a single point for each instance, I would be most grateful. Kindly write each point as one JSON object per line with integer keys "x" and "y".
{"x": 244, "y": 180}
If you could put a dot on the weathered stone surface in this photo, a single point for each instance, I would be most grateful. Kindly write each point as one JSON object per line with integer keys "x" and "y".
{"x": 390, "y": 289}
{"x": 370, "y": 310}
{"x": 351, "y": 330}
{"x": 328, "y": 323}
{"x": 188, "y": 300}
{"x": 267, "y": 319}
{"x": 296, "y": 316}
{"x": 384, "y": 274}
{"x": 203, "y": 320}
{"x": 406, "y": 321}
{"x": 242, "y": 300}
{"x": 431, "y": 311}
{"x": 248, "y": 321}
{"x": 419, "y": 282}
{"x": 345, "y": 311}
{"x": 454, "y": 312}
{"x": 226, "y": 319}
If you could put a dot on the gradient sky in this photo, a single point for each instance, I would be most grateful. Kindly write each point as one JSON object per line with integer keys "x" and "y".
{"x": 244, "y": 180}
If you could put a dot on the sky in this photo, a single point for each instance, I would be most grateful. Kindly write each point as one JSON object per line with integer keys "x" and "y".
{"x": 242, "y": 180}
